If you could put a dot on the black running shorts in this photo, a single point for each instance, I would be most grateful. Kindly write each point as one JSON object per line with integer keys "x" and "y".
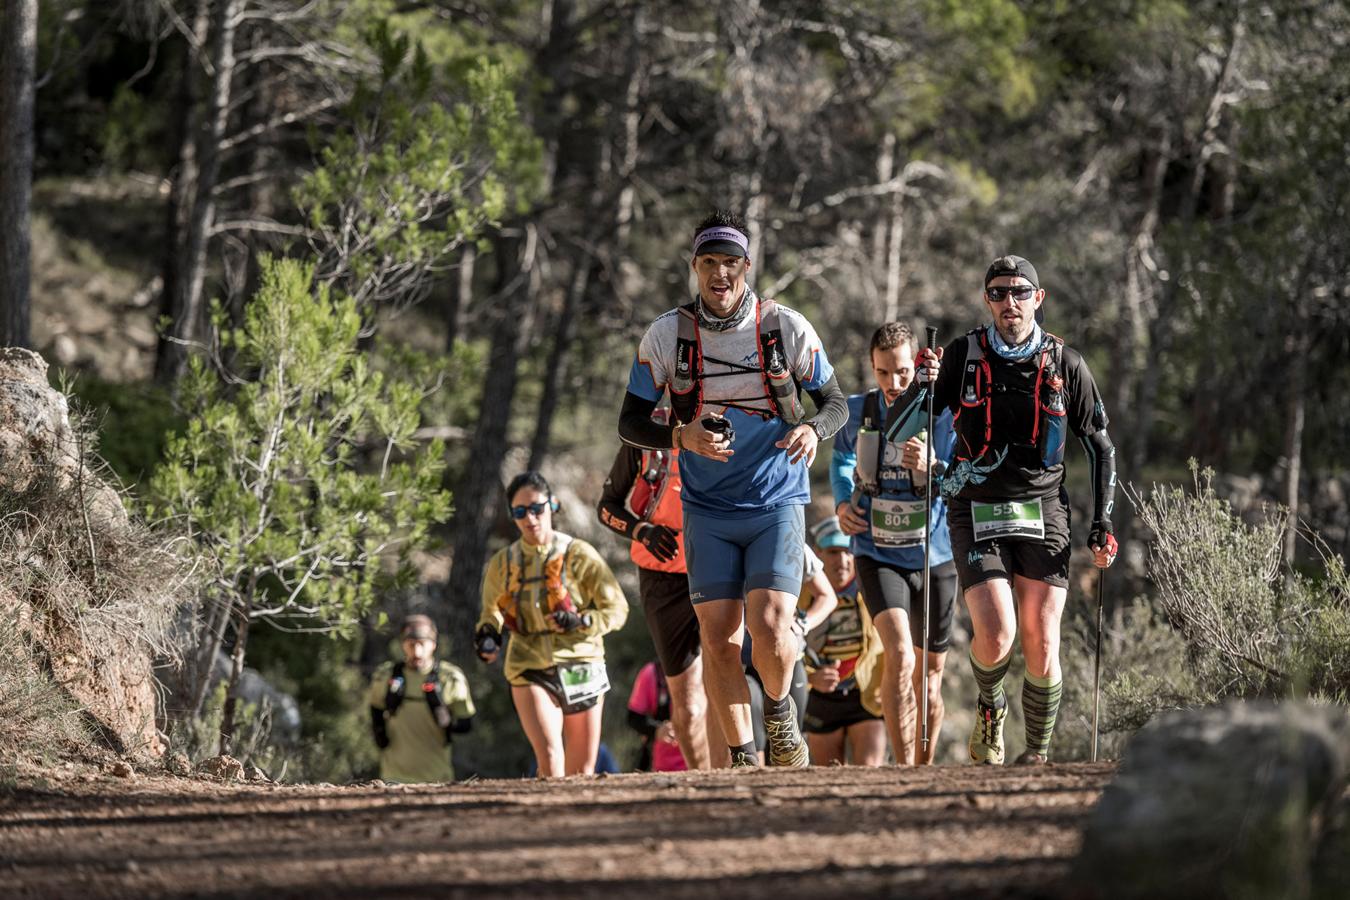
{"x": 670, "y": 618}
{"x": 888, "y": 586}
{"x": 1045, "y": 559}
{"x": 827, "y": 713}
{"x": 551, "y": 681}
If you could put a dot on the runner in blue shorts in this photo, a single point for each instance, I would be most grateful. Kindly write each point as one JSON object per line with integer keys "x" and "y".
{"x": 734, "y": 365}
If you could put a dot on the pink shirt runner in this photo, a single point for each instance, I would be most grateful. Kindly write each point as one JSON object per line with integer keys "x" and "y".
{"x": 666, "y": 755}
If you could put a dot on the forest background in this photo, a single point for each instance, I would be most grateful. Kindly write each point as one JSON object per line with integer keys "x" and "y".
{"x": 490, "y": 201}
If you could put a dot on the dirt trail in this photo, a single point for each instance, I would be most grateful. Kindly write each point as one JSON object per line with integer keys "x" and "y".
{"x": 947, "y": 832}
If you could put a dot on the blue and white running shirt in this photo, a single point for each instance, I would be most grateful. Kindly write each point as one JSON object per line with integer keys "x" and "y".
{"x": 758, "y": 475}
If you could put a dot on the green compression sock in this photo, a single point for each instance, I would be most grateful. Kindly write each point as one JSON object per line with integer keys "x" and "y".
{"x": 990, "y": 678}
{"x": 1040, "y": 706}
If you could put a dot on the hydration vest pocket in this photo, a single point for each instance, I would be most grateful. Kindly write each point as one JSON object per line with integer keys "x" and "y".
{"x": 867, "y": 453}
{"x": 1050, "y": 443}
{"x": 778, "y": 381}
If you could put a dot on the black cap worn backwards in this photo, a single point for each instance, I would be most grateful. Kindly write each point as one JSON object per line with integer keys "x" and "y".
{"x": 1012, "y": 265}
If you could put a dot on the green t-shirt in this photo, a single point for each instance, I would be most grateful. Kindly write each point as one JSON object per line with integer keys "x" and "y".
{"x": 417, "y": 750}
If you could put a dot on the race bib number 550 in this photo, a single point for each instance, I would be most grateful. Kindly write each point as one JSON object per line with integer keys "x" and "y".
{"x": 1010, "y": 519}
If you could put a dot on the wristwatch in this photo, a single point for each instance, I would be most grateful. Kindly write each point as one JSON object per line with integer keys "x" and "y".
{"x": 815, "y": 426}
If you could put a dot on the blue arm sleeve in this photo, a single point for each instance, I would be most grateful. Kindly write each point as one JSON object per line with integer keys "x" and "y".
{"x": 842, "y": 464}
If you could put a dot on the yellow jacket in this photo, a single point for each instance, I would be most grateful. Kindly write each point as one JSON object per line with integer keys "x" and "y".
{"x": 518, "y": 581}
{"x": 848, "y": 632}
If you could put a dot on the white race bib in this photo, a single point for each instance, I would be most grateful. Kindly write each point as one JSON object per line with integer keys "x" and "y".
{"x": 898, "y": 523}
{"x": 1010, "y": 519}
{"x": 582, "y": 681}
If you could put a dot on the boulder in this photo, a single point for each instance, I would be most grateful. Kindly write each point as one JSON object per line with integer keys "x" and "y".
{"x": 1230, "y": 801}
{"x": 100, "y": 661}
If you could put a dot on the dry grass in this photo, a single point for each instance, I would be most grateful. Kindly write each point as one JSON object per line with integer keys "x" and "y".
{"x": 84, "y": 589}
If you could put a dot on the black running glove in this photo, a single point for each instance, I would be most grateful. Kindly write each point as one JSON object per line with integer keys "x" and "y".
{"x": 377, "y": 727}
{"x": 487, "y": 641}
{"x": 571, "y": 620}
{"x": 659, "y": 540}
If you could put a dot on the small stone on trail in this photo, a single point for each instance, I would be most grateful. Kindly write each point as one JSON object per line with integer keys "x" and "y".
{"x": 253, "y": 773}
{"x": 121, "y": 769}
{"x": 224, "y": 767}
{"x": 177, "y": 763}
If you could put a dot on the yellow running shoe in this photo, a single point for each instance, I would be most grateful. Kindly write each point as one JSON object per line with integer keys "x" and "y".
{"x": 986, "y": 739}
{"x": 786, "y": 746}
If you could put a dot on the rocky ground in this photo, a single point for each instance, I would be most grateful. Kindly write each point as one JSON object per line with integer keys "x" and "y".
{"x": 839, "y": 832}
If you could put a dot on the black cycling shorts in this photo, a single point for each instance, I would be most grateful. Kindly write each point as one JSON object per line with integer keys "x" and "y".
{"x": 827, "y": 713}
{"x": 1045, "y": 559}
{"x": 889, "y": 586}
{"x": 670, "y": 618}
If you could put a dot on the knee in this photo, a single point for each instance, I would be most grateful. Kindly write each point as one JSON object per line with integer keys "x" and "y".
{"x": 721, "y": 653}
{"x": 935, "y": 688}
{"x": 904, "y": 661}
{"x": 688, "y": 707}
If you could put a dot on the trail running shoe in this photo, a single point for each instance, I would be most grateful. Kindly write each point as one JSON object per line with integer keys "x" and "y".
{"x": 1031, "y": 758}
{"x": 786, "y": 747}
{"x": 742, "y": 760}
{"x": 986, "y": 739}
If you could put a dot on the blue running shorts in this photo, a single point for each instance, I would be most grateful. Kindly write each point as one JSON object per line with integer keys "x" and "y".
{"x": 728, "y": 556}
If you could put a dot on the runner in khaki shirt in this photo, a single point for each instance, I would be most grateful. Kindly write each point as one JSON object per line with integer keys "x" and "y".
{"x": 415, "y": 707}
{"x": 558, "y": 599}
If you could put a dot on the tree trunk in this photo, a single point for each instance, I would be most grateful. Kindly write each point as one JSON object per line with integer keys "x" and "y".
{"x": 478, "y": 494}
{"x": 460, "y": 296}
{"x": 183, "y": 174}
{"x": 555, "y": 373}
{"x": 205, "y": 661}
{"x": 18, "y": 62}
{"x": 227, "y": 720}
{"x": 186, "y": 300}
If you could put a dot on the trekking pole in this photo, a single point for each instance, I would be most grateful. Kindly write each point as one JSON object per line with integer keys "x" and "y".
{"x": 1097, "y": 667}
{"x": 927, "y": 547}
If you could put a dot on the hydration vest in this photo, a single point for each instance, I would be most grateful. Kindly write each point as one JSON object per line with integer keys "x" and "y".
{"x": 551, "y": 583}
{"x": 655, "y": 498}
{"x": 431, "y": 690}
{"x": 974, "y": 418}
{"x": 775, "y": 369}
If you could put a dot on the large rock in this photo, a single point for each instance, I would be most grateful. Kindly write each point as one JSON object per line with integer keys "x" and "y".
{"x": 1233, "y": 801}
{"x": 99, "y": 660}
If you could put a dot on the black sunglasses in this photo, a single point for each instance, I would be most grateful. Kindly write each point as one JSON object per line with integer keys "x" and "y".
{"x": 1020, "y": 293}
{"x": 519, "y": 512}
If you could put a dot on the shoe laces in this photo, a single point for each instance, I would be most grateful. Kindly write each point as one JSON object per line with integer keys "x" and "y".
{"x": 991, "y": 724}
{"x": 782, "y": 733}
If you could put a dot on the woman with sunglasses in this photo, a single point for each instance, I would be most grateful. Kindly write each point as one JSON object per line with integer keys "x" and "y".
{"x": 558, "y": 599}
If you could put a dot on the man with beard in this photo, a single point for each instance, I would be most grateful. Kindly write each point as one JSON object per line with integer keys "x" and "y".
{"x": 1016, "y": 392}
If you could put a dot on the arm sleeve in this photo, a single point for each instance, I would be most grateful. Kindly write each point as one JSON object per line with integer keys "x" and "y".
{"x": 613, "y": 509}
{"x": 831, "y": 407}
{"x": 636, "y": 427}
{"x": 494, "y": 582}
{"x": 603, "y": 597}
{"x": 643, "y": 725}
{"x": 844, "y": 458}
{"x": 1102, "y": 457}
